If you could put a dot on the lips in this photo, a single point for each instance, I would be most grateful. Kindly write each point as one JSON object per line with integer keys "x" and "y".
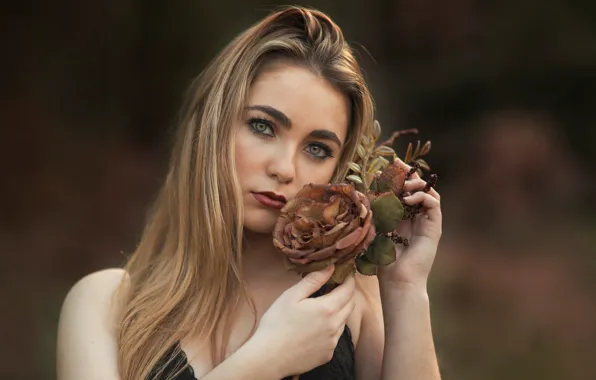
{"x": 270, "y": 199}
{"x": 277, "y": 197}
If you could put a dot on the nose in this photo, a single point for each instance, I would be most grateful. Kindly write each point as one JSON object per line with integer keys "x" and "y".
{"x": 282, "y": 167}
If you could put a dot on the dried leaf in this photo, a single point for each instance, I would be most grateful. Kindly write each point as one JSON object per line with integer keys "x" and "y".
{"x": 423, "y": 164}
{"x": 342, "y": 271}
{"x": 376, "y": 130}
{"x": 384, "y": 150}
{"x": 354, "y": 167}
{"x": 354, "y": 178}
{"x": 425, "y": 149}
{"x": 417, "y": 151}
{"x": 408, "y": 154}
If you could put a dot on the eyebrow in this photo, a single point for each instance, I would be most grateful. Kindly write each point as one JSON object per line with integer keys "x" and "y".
{"x": 281, "y": 118}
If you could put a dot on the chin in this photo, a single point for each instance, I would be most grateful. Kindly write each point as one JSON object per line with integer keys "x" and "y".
{"x": 260, "y": 221}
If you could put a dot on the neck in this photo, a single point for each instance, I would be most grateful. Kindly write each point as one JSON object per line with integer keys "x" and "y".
{"x": 260, "y": 257}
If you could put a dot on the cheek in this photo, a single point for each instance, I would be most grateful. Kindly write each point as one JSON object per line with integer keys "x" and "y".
{"x": 247, "y": 162}
{"x": 314, "y": 172}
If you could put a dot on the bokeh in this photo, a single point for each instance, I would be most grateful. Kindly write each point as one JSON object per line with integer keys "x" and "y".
{"x": 506, "y": 92}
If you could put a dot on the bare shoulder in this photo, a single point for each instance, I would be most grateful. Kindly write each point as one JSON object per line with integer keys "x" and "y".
{"x": 87, "y": 344}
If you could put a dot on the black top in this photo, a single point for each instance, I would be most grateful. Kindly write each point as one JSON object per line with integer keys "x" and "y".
{"x": 341, "y": 366}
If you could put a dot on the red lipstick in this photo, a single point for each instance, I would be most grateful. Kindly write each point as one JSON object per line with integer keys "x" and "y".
{"x": 270, "y": 199}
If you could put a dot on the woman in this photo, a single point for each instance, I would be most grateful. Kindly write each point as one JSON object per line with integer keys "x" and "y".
{"x": 206, "y": 295}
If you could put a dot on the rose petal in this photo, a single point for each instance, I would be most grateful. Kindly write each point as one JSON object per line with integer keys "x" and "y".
{"x": 366, "y": 227}
{"x": 297, "y": 253}
{"x": 322, "y": 254}
{"x": 313, "y": 266}
{"x": 330, "y": 212}
{"x": 338, "y": 227}
{"x": 304, "y": 224}
{"x": 328, "y": 238}
{"x": 366, "y": 242}
{"x": 312, "y": 211}
{"x": 349, "y": 240}
{"x": 354, "y": 223}
{"x": 277, "y": 244}
{"x": 343, "y": 214}
{"x": 363, "y": 211}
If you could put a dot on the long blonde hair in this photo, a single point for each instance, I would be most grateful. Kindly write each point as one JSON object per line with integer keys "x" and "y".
{"x": 185, "y": 276}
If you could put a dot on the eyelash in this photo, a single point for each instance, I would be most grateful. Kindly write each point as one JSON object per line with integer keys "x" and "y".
{"x": 253, "y": 120}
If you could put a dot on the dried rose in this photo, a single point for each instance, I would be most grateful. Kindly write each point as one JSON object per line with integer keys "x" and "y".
{"x": 323, "y": 225}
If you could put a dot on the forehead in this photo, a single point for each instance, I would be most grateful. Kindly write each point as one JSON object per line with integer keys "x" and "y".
{"x": 309, "y": 100}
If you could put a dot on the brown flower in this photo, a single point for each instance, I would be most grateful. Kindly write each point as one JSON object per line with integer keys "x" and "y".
{"x": 322, "y": 225}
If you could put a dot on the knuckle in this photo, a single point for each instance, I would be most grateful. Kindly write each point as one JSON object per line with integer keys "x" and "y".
{"x": 313, "y": 279}
{"x": 327, "y": 310}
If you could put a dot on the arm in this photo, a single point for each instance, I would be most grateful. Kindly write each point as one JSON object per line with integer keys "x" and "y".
{"x": 395, "y": 335}
{"x": 86, "y": 347}
{"x": 409, "y": 349}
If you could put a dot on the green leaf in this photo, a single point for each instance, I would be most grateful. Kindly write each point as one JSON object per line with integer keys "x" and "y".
{"x": 366, "y": 140}
{"x": 383, "y": 186}
{"x": 387, "y": 212}
{"x": 381, "y": 251}
{"x": 361, "y": 152}
{"x": 354, "y": 166}
{"x": 374, "y": 186}
{"x": 384, "y": 150}
{"x": 376, "y": 129}
{"x": 365, "y": 267}
{"x": 354, "y": 178}
{"x": 376, "y": 164}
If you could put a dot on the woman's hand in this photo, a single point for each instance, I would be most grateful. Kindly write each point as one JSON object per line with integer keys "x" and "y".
{"x": 303, "y": 332}
{"x": 413, "y": 263}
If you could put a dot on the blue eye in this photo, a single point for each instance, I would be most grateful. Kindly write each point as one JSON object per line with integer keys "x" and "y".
{"x": 319, "y": 151}
{"x": 261, "y": 127}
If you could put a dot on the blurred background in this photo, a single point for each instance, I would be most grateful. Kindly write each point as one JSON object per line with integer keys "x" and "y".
{"x": 506, "y": 92}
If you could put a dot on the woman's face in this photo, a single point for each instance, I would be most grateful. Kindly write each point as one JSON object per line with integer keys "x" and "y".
{"x": 291, "y": 134}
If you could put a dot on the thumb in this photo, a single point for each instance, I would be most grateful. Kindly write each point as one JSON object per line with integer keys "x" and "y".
{"x": 313, "y": 282}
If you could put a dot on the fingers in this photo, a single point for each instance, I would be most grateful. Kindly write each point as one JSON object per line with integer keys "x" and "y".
{"x": 343, "y": 315}
{"x": 414, "y": 184}
{"x": 346, "y": 311}
{"x": 311, "y": 283}
{"x": 340, "y": 296}
{"x": 417, "y": 184}
{"x": 430, "y": 203}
